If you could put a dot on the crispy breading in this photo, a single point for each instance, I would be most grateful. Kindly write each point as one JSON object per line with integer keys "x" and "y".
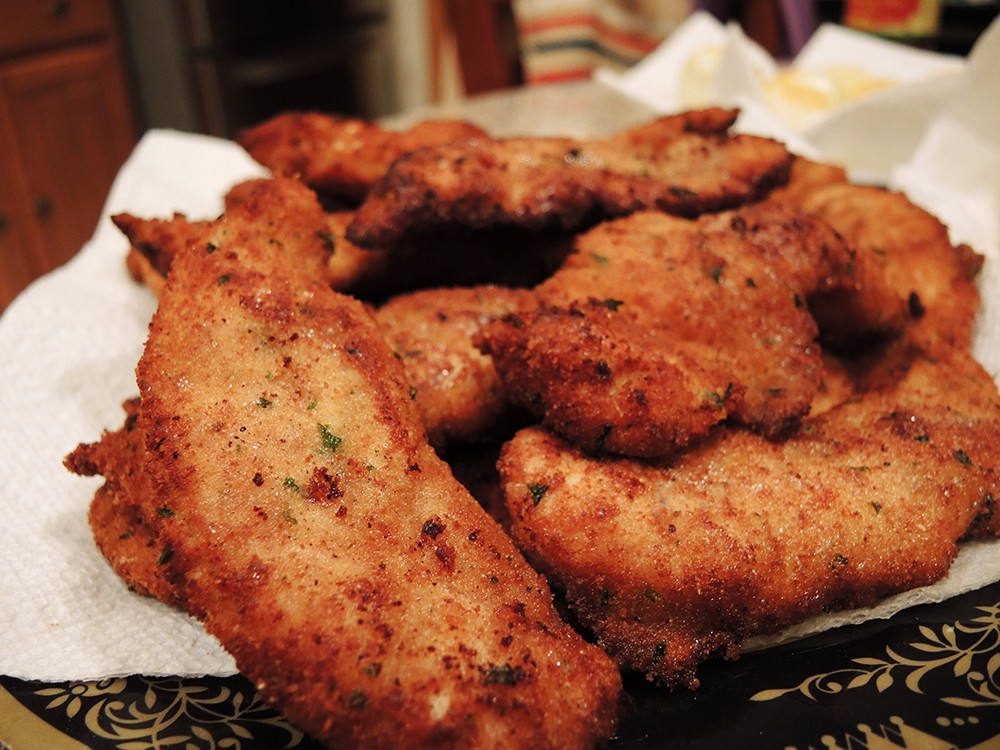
{"x": 694, "y": 322}
{"x": 683, "y": 165}
{"x": 673, "y": 562}
{"x": 912, "y": 250}
{"x": 341, "y": 156}
{"x": 304, "y": 517}
{"x": 276, "y": 479}
{"x": 153, "y": 244}
{"x": 121, "y": 515}
{"x": 510, "y": 258}
{"x": 847, "y": 294}
{"x": 805, "y": 177}
{"x": 455, "y": 385}
{"x": 837, "y": 384}
{"x": 605, "y": 380}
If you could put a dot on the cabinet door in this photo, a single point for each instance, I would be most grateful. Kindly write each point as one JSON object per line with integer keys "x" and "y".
{"x": 18, "y": 232}
{"x": 72, "y": 129}
{"x": 30, "y": 25}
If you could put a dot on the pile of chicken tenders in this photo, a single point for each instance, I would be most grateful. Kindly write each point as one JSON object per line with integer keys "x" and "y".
{"x": 418, "y": 400}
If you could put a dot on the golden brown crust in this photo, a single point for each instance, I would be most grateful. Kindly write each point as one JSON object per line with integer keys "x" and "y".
{"x": 658, "y": 327}
{"x": 606, "y": 381}
{"x": 316, "y": 532}
{"x": 514, "y": 258}
{"x": 847, "y": 294}
{"x": 275, "y": 480}
{"x": 154, "y": 243}
{"x": 455, "y": 386}
{"x": 805, "y": 177}
{"x": 143, "y": 272}
{"x": 914, "y": 254}
{"x": 340, "y": 155}
{"x": 674, "y": 561}
{"x": 558, "y": 182}
{"x": 121, "y": 514}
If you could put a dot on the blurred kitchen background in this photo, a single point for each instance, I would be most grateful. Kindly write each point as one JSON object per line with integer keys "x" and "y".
{"x": 81, "y": 80}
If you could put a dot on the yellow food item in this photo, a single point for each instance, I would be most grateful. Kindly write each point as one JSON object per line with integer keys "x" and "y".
{"x": 801, "y": 96}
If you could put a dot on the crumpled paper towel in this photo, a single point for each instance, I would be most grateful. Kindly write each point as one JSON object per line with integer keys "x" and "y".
{"x": 816, "y": 103}
{"x": 70, "y": 344}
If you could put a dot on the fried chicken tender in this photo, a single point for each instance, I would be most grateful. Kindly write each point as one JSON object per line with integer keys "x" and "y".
{"x": 303, "y": 516}
{"x": 507, "y": 258}
{"x": 806, "y": 177}
{"x": 606, "y": 381}
{"x": 154, "y": 243}
{"x": 456, "y": 387}
{"x": 684, "y": 164}
{"x": 675, "y": 561}
{"x": 658, "y": 327}
{"x": 341, "y": 156}
{"x": 848, "y": 295}
{"x": 912, "y": 250}
{"x": 120, "y": 516}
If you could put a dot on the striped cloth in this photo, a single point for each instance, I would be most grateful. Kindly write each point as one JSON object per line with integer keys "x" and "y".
{"x": 564, "y": 40}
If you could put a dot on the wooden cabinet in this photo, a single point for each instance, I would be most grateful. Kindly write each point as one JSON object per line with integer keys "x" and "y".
{"x": 66, "y": 127}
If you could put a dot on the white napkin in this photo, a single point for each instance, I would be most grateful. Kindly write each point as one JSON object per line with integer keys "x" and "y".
{"x": 70, "y": 344}
{"x": 704, "y": 62}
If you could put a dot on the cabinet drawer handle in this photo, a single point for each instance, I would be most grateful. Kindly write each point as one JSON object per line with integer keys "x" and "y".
{"x": 60, "y": 8}
{"x": 4, "y": 223}
{"x": 44, "y": 207}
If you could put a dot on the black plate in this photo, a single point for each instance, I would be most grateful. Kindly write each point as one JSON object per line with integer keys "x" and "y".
{"x": 928, "y": 678}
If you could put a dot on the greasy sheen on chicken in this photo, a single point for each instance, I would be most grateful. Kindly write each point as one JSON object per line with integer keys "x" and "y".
{"x": 154, "y": 243}
{"x": 658, "y": 327}
{"x": 683, "y": 164}
{"x": 121, "y": 515}
{"x": 300, "y": 512}
{"x": 513, "y": 258}
{"x": 341, "y": 156}
{"x": 675, "y": 561}
{"x": 912, "y": 250}
{"x": 456, "y": 387}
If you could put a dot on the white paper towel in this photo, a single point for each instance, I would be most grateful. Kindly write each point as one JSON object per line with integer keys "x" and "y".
{"x": 69, "y": 347}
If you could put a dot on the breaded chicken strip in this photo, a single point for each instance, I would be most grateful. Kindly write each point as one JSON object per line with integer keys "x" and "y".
{"x": 608, "y": 382}
{"x": 121, "y": 514}
{"x": 155, "y": 242}
{"x": 458, "y": 391}
{"x": 341, "y": 156}
{"x": 683, "y": 164}
{"x": 805, "y": 177}
{"x": 673, "y": 562}
{"x": 303, "y": 516}
{"x": 912, "y": 250}
{"x": 847, "y": 294}
{"x": 657, "y": 327}
{"x": 456, "y": 387}
{"x": 509, "y": 258}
